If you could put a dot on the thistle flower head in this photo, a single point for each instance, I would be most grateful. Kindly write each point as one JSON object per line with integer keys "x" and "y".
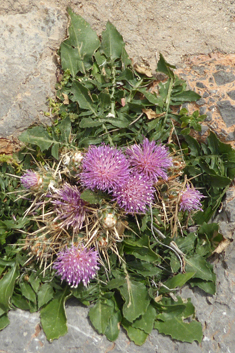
{"x": 77, "y": 264}
{"x": 135, "y": 194}
{"x": 70, "y": 208}
{"x": 31, "y": 180}
{"x": 190, "y": 200}
{"x": 150, "y": 159}
{"x": 103, "y": 168}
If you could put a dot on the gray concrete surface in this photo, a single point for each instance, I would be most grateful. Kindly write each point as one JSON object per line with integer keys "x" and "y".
{"x": 31, "y": 32}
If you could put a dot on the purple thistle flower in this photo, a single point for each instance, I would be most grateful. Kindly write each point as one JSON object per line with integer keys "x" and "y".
{"x": 77, "y": 264}
{"x": 190, "y": 200}
{"x": 134, "y": 194}
{"x": 70, "y": 208}
{"x": 150, "y": 159}
{"x": 104, "y": 167}
{"x": 31, "y": 180}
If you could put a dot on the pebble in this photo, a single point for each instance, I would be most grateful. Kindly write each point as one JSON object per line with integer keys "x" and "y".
{"x": 222, "y": 77}
{"x": 231, "y": 94}
{"x": 227, "y": 111}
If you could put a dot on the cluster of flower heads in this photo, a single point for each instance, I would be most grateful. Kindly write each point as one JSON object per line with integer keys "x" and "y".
{"x": 128, "y": 177}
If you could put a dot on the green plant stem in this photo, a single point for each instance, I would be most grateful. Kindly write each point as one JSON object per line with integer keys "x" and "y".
{"x": 133, "y": 91}
{"x": 168, "y": 99}
{"x": 109, "y": 136}
{"x": 113, "y": 91}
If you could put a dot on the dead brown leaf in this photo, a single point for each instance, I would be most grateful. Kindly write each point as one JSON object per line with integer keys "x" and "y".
{"x": 222, "y": 246}
{"x": 143, "y": 69}
{"x": 9, "y": 146}
{"x": 66, "y": 98}
{"x": 158, "y": 298}
{"x": 151, "y": 114}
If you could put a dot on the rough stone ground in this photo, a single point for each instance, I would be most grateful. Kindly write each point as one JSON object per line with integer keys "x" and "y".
{"x": 198, "y": 37}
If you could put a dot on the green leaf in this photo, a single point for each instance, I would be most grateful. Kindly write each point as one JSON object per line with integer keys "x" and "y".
{"x": 20, "y": 302}
{"x": 125, "y": 58}
{"x": 117, "y": 122}
{"x": 169, "y": 309}
{"x": 195, "y": 149}
{"x": 37, "y": 136}
{"x": 218, "y": 181}
{"x": 146, "y": 321}
{"x": 207, "y": 286}
{"x": 7, "y": 263}
{"x": 88, "y": 122}
{"x": 180, "y": 330}
{"x": 141, "y": 249}
{"x": 65, "y": 128}
{"x": 137, "y": 335}
{"x": 7, "y": 284}
{"x": 92, "y": 197}
{"x": 113, "y": 329}
{"x": 177, "y": 281}
{"x": 164, "y": 67}
{"x": 27, "y": 291}
{"x": 136, "y": 299}
{"x": 85, "y": 294}
{"x": 35, "y": 281}
{"x": 82, "y": 96}
{"x": 101, "y": 313}
{"x": 45, "y": 294}
{"x": 69, "y": 58}
{"x": 185, "y": 96}
{"x": 144, "y": 268}
{"x": 4, "y": 321}
{"x": 186, "y": 131}
{"x": 53, "y": 317}
{"x": 202, "y": 268}
{"x": 151, "y": 97}
{"x": 105, "y": 101}
{"x": 112, "y": 42}
{"x": 77, "y": 51}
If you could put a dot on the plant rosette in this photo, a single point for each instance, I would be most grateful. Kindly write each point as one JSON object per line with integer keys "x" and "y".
{"x": 113, "y": 199}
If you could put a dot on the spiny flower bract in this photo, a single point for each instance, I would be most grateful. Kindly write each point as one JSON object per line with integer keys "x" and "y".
{"x": 134, "y": 194}
{"x": 31, "y": 180}
{"x": 70, "y": 208}
{"x": 77, "y": 264}
{"x": 150, "y": 159}
{"x": 190, "y": 200}
{"x": 103, "y": 168}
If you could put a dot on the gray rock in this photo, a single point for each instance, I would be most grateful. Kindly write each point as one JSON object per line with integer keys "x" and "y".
{"x": 203, "y": 110}
{"x": 200, "y": 85}
{"x": 199, "y": 69}
{"x": 204, "y": 129}
{"x": 205, "y": 95}
{"x": 201, "y": 101}
{"x": 208, "y": 116}
{"x": 27, "y": 68}
{"x": 230, "y": 136}
{"x": 222, "y": 77}
{"x": 227, "y": 111}
{"x": 231, "y": 94}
